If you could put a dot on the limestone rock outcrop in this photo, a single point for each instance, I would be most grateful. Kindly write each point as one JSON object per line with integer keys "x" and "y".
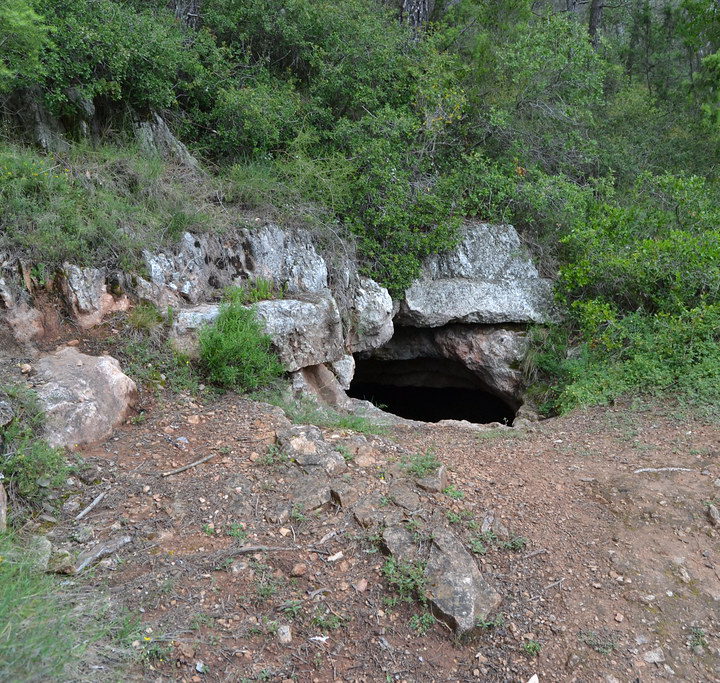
{"x": 373, "y": 316}
{"x": 202, "y": 266}
{"x": 486, "y": 278}
{"x": 306, "y": 330}
{"x": 86, "y": 292}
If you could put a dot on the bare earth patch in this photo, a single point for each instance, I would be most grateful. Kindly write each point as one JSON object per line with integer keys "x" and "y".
{"x": 606, "y": 572}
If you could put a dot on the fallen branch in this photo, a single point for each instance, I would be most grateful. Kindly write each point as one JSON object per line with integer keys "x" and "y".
{"x": 90, "y": 556}
{"x": 547, "y": 588}
{"x": 92, "y": 505}
{"x": 534, "y": 553}
{"x": 245, "y": 549}
{"x": 192, "y": 464}
{"x": 663, "y": 469}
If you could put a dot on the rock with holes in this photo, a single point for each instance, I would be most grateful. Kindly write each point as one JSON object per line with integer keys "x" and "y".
{"x": 200, "y": 267}
{"x": 84, "y": 397}
{"x": 487, "y": 278}
{"x": 457, "y": 592}
{"x": 286, "y": 258}
{"x": 85, "y": 290}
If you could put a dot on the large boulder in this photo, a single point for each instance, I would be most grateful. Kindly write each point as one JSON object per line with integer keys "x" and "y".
{"x": 84, "y": 397}
{"x": 486, "y": 278}
{"x": 305, "y": 331}
{"x": 372, "y": 316}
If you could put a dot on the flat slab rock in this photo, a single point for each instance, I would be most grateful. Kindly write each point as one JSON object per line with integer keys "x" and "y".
{"x": 457, "y": 592}
{"x": 306, "y": 445}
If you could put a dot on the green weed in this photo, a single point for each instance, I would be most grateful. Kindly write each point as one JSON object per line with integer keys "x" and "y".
{"x": 453, "y": 493}
{"x": 406, "y": 578}
{"x": 421, "y": 464}
{"x": 532, "y": 648}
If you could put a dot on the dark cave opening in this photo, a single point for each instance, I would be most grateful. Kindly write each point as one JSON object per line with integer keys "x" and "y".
{"x": 428, "y": 389}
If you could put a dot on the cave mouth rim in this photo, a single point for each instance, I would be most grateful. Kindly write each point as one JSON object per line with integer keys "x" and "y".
{"x": 462, "y": 396}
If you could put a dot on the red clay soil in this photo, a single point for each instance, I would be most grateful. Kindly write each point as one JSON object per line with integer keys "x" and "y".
{"x": 613, "y": 575}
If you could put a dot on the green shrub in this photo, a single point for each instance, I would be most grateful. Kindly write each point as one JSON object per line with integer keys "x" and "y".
{"x": 28, "y": 465}
{"x": 675, "y": 355}
{"x": 23, "y": 34}
{"x": 256, "y": 119}
{"x": 235, "y": 352}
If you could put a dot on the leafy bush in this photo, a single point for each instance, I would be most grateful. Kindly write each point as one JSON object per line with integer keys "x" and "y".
{"x": 109, "y": 52}
{"x": 23, "y": 34}
{"x": 235, "y": 351}
{"x": 663, "y": 354}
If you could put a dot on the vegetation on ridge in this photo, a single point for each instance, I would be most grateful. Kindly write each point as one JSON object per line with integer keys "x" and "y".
{"x": 596, "y": 135}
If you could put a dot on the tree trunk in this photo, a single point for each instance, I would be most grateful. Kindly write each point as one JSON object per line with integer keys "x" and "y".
{"x": 571, "y": 5}
{"x": 416, "y": 12}
{"x": 188, "y": 12}
{"x": 596, "y": 12}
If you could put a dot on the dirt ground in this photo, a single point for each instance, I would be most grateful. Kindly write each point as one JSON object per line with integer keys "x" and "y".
{"x": 613, "y": 575}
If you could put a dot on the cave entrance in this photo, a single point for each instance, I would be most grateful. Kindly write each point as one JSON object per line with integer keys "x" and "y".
{"x": 428, "y": 389}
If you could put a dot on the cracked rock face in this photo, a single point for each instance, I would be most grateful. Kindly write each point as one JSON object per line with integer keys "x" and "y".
{"x": 373, "y": 313}
{"x": 85, "y": 290}
{"x": 202, "y": 266}
{"x": 486, "y": 279}
{"x": 84, "y": 397}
